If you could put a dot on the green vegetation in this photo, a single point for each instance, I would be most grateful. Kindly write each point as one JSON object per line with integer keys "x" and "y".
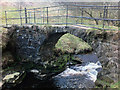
{"x": 104, "y": 84}
{"x": 72, "y": 44}
{"x": 51, "y": 20}
{"x": 59, "y": 64}
{"x": 100, "y": 27}
{"x": 118, "y": 28}
{"x": 9, "y": 15}
{"x": 116, "y": 85}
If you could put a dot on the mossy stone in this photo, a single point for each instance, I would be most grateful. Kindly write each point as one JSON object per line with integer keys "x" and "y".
{"x": 72, "y": 44}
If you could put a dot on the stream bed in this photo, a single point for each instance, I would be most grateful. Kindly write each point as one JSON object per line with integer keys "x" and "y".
{"x": 76, "y": 76}
{"x": 81, "y": 75}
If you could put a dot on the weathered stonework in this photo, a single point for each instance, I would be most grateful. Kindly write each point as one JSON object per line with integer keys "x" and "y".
{"x": 26, "y": 42}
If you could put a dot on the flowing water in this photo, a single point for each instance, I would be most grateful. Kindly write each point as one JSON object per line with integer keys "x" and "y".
{"x": 78, "y": 76}
{"x": 81, "y": 75}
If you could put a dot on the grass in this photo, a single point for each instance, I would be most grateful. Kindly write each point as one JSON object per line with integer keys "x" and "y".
{"x": 110, "y": 85}
{"x": 2, "y": 14}
{"x": 101, "y": 26}
{"x": 72, "y": 44}
{"x": 51, "y": 20}
{"x": 116, "y": 85}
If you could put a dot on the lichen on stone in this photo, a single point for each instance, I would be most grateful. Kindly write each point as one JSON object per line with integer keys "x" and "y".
{"x": 72, "y": 44}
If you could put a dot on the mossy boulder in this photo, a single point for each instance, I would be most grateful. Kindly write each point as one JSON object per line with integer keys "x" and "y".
{"x": 58, "y": 64}
{"x": 72, "y": 44}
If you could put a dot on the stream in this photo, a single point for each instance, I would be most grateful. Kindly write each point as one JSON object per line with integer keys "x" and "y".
{"x": 80, "y": 75}
{"x": 75, "y": 76}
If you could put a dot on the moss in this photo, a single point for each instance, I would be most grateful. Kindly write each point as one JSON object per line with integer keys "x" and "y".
{"x": 116, "y": 85}
{"x": 58, "y": 64}
{"x": 104, "y": 84}
{"x": 72, "y": 44}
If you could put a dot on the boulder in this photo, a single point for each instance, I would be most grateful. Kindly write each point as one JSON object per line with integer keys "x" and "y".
{"x": 13, "y": 79}
{"x": 72, "y": 44}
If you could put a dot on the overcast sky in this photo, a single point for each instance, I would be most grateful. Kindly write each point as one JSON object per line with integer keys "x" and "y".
{"x": 59, "y": 0}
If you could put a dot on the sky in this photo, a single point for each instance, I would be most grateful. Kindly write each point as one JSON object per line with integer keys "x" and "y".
{"x": 59, "y": 0}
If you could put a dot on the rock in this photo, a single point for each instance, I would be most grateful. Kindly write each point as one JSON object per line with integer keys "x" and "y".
{"x": 11, "y": 76}
{"x": 35, "y": 71}
{"x": 1, "y": 83}
{"x": 78, "y": 76}
{"x": 7, "y": 59}
{"x": 102, "y": 84}
{"x": 73, "y": 81}
{"x": 90, "y": 57}
{"x": 107, "y": 79}
{"x": 72, "y": 44}
{"x": 14, "y": 78}
{"x": 27, "y": 42}
{"x": 5, "y": 39}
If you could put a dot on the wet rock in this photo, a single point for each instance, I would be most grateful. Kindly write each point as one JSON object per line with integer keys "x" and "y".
{"x": 35, "y": 71}
{"x": 13, "y": 79}
{"x": 10, "y": 76}
{"x": 79, "y": 76}
{"x": 90, "y": 57}
{"x": 75, "y": 77}
{"x": 74, "y": 81}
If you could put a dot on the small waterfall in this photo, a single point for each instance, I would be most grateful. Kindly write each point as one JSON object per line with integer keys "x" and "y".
{"x": 80, "y": 76}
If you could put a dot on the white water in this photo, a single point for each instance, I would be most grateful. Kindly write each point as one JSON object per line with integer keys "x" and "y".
{"x": 89, "y": 69}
